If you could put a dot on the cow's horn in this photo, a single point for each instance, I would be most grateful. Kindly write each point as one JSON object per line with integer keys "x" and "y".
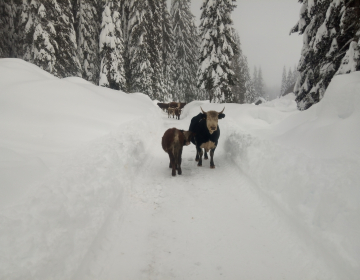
{"x": 202, "y": 110}
{"x": 222, "y": 111}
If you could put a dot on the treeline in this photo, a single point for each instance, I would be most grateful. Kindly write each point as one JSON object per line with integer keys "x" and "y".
{"x": 331, "y": 46}
{"x": 288, "y": 80}
{"x": 132, "y": 45}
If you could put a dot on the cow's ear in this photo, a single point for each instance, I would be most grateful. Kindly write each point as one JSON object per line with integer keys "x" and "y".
{"x": 221, "y": 116}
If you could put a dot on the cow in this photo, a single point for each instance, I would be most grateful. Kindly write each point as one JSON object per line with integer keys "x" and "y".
{"x": 207, "y": 132}
{"x": 177, "y": 113}
{"x": 163, "y": 106}
{"x": 171, "y": 112}
{"x": 182, "y": 105}
{"x": 174, "y": 104}
{"x": 172, "y": 143}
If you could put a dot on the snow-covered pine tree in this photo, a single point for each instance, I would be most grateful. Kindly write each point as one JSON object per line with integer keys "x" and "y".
{"x": 87, "y": 26}
{"x": 139, "y": 56}
{"x": 112, "y": 73}
{"x": 167, "y": 49}
{"x": 47, "y": 37}
{"x": 184, "y": 58}
{"x": 351, "y": 19}
{"x": 8, "y": 17}
{"x": 327, "y": 38}
{"x": 156, "y": 48}
{"x": 67, "y": 61}
{"x": 283, "y": 82}
{"x": 250, "y": 94}
{"x": 289, "y": 80}
{"x": 217, "y": 49}
{"x": 239, "y": 68}
{"x": 255, "y": 82}
{"x": 38, "y": 39}
{"x": 260, "y": 84}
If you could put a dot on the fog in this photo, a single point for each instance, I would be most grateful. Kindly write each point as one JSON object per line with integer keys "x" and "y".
{"x": 264, "y": 27}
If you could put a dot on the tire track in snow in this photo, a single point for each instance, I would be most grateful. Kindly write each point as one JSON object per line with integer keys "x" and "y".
{"x": 204, "y": 224}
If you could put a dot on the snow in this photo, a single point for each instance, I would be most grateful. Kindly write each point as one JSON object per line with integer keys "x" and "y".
{"x": 86, "y": 192}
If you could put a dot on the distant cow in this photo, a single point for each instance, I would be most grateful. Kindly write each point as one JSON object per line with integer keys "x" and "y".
{"x": 182, "y": 105}
{"x": 207, "y": 133}
{"x": 177, "y": 113}
{"x": 172, "y": 143}
{"x": 163, "y": 106}
{"x": 171, "y": 112}
{"x": 174, "y": 104}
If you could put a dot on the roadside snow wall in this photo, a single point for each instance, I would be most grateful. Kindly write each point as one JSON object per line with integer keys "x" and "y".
{"x": 310, "y": 166}
{"x": 90, "y": 142}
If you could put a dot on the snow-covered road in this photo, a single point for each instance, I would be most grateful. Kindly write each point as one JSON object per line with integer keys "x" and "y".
{"x": 204, "y": 224}
{"x": 86, "y": 192}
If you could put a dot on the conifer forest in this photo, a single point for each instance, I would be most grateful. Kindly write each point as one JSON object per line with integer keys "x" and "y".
{"x": 146, "y": 46}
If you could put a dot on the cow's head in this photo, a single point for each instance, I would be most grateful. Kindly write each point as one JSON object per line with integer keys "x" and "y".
{"x": 212, "y": 118}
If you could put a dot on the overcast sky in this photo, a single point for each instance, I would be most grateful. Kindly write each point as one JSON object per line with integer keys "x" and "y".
{"x": 264, "y": 27}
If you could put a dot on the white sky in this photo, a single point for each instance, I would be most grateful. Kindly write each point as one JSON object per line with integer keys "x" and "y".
{"x": 264, "y": 27}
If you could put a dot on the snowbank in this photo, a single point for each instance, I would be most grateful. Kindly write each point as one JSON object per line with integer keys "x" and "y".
{"x": 309, "y": 162}
{"x": 72, "y": 148}
{"x": 69, "y": 150}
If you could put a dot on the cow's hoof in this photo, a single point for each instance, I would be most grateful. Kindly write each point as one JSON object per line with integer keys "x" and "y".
{"x": 199, "y": 164}
{"x": 179, "y": 172}
{"x": 173, "y": 174}
{"x": 196, "y": 159}
{"x": 212, "y": 166}
{"x": 206, "y": 158}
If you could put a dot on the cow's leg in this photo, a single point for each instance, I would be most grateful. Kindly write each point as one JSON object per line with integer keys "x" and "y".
{"x": 173, "y": 163}
{"x": 170, "y": 165}
{"x": 200, "y": 154}
{"x": 205, "y": 155}
{"x": 212, "y": 165}
{"x": 179, "y": 162}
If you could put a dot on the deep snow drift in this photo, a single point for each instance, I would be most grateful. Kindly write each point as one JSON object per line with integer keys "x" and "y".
{"x": 70, "y": 152}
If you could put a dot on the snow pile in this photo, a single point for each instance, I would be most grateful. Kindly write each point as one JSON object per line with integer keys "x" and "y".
{"x": 71, "y": 151}
{"x": 72, "y": 148}
{"x": 309, "y": 162}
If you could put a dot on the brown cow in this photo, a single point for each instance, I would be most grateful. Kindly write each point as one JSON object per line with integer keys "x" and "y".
{"x": 174, "y": 104}
{"x": 171, "y": 112}
{"x": 172, "y": 143}
{"x": 163, "y": 106}
{"x": 177, "y": 113}
{"x": 182, "y": 105}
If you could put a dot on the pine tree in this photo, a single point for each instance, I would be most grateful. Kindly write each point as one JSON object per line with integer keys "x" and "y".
{"x": 87, "y": 25}
{"x": 184, "y": 59}
{"x": 329, "y": 28}
{"x": 260, "y": 84}
{"x": 250, "y": 94}
{"x": 66, "y": 54}
{"x": 156, "y": 48}
{"x": 289, "y": 80}
{"x": 255, "y": 82}
{"x": 167, "y": 49}
{"x": 351, "y": 20}
{"x": 239, "y": 68}
{"x": 8, "y": 17}
{"x": 111, "y": 48}
{"x": 140, "y": 68}
{"x": 47, "y": 36}
{"x": 39, "y": 35}
{"x": 217, "y": 49}
{"x": 283, "y": 82}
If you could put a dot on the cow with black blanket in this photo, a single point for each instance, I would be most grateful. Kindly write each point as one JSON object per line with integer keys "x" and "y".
{"x": 207, "y": 132}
